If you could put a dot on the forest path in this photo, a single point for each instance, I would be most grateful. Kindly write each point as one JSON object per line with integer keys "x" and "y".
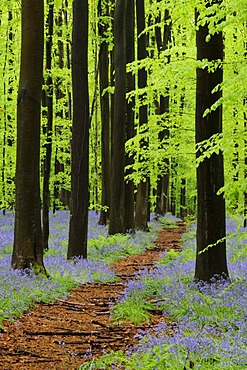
{"x": 58, "y": 336}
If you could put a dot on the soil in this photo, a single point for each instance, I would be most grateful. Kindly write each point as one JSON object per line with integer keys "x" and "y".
{"x": 57, "y": 336}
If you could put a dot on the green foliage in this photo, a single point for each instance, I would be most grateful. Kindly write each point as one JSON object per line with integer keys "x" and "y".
{"x": 167, "y": 222}
{"x": 168, "y": 257}
{"x": 170, "y": 73}
{"x": 132, "y": 310}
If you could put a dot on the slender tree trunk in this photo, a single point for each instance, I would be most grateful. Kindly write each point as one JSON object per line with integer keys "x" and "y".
{"x": 59, "y": 95}
{"x": 80, "y": 133}
{"x": 183, "y": 199}
{"x": 7, "y": 90}
{"x": 235, "y": 165}
{"x": 28, "y": 247}
{"x": 96, "y": 128}
{"x": 68, "y": 61}
{"x": 48, "y": 145}
{"x": 245, "y": 165}
{"x": 142, "y": 197}
{"x": 117, "y": 222}
{"x": 211, "y": 222}
{"x": 105, "y": 120}
{"x": 163, "y": 177}
{"x": 61, "y": 194}
{"x": 8, "y": 132}
{"x": 173, "y": 186}
{"x": 245, "y": 144}
{"x": 130, "y": 125}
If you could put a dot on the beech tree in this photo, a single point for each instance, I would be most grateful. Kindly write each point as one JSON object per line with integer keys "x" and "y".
{"x": 48, "y": 128}
{"x": 78, "y": 227}
{"x": 28, "y": 246}
{"x": 142, "y": 197}
{"x": 130, "y": 119}
{"x": 103, "y": 11}
{"x": 163, "y": 41}
{"x": 117, "y": 186}
{"x": 211, "y": 218}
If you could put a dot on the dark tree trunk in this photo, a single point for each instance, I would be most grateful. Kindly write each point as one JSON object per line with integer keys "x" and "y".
{"x": 105, "y": 120}
{"x": 162, "y": 193}
{"x": 28, "y": 247}
{"x": 163, "y": 176}
{"x": 183, "y": 211}
{"x": 61, "y": 194}
{"x": 211, "y": 222}
{"x": 94, "y": 112}
{"x": 48, "y": 145}
{"x": 245, "y": 145}
{"x": 173, "y": 181}
{"x": 235, "y": 165}
{"x": 59, "y": 95}
{"x": 245, "y": 163}
{"x": 142, "y": 197}
{"x": 80, "y": 133}
{"x": 117, "y": 224}
{"x": 130, "y": 128}
{"x": 68, "y": 61}
{"x": 7, "y": 129}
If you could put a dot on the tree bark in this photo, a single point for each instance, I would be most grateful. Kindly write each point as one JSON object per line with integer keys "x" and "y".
{"x": 105, "y": 120}
{"x": 163, "y": 177}
{"x": 117, "y": 224}
{"x": 142, "y": 197}
{"x": 211, "y": 222}
{"x": 8, "y": 127}
{"x": 78, "y": 228}
{"x": 183, "y": 210}
{"x": 48, "y": 131}
{"x": 130, "y": 122}
{"x": 28, "y": 247}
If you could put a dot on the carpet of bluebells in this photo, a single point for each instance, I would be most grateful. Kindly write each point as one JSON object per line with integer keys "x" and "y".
{"x": 207, "y": 323}
{"x": 19, "y": 291}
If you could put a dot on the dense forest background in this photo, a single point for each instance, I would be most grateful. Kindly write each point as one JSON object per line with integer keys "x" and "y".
{"x": 161, "y": 93}
{"x": 171, "y": 71}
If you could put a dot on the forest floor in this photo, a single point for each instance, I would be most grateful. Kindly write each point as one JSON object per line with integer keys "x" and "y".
{"x": 59, "y": 336}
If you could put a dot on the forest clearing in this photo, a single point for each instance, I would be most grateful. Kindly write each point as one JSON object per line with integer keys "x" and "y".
{"x": 123, "y": 129}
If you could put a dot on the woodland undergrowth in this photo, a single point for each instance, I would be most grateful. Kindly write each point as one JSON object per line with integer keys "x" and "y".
{"x": 203, "y": 326}
{"x": 21, "y": 290}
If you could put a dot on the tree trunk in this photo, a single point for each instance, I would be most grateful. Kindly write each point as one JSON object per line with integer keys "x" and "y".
{"x": 28, "y": 247}
{"x": 61, "y": 194}
{"x": 245, "y": 167}
{"x": 163, "y": 177}
{"x": 211, "y": 222}
{"x": 162, "y": 193}
{"x": 130, "y": 127}
{"x": 7, "y": 90}
{"x": 80, "y": 134}
{"x": 142, "y": 198}
{"x": 48, "y": 145}
{"x": 117, "y": 224}
{"x": 173, "y": 181}
{"x": 59, "y": 95}
{"x": 105, "y": 121}
{"x": 183, "y": 210}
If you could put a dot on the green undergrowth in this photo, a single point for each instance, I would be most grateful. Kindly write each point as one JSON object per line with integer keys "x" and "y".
{"x": 20, "y": 290}
{"x": 205, "y": 324}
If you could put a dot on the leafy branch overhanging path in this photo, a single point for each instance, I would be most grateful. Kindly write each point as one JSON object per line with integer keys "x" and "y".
{"x": 58, "y": 336}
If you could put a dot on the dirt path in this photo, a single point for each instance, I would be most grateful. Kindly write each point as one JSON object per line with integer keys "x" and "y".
{"x": 58, "y": 336}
